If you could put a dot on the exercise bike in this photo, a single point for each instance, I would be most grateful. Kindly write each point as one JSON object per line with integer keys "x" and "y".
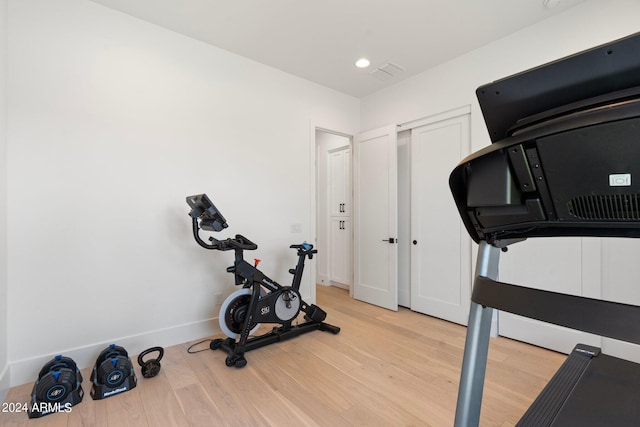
{"x": 260, "y": 299}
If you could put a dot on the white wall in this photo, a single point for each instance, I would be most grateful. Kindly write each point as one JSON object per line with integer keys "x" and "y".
{"x": 112, "y": 122}
{"x": 4, "y": 367}
{"x": 453, "y": 84}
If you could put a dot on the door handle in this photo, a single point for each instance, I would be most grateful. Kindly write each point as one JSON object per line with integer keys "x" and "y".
{"x": 390, "y": 240}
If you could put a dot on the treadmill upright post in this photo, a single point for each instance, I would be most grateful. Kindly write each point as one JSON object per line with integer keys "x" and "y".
{"x": 476, "y": 345}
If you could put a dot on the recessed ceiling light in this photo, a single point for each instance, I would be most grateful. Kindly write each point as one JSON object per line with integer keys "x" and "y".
{"x": 363, "y": 63}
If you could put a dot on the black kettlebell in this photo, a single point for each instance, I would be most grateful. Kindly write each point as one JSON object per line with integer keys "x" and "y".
{"x": 150, "y": 368}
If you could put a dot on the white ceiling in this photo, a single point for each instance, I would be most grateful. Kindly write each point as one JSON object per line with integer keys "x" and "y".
{"x": 320, "y": 40}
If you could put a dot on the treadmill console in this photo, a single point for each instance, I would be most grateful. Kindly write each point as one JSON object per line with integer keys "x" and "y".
{"x": 565, "y": 157}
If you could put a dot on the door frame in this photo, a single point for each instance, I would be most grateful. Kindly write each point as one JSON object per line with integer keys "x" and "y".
{"x": 313, "y": 187}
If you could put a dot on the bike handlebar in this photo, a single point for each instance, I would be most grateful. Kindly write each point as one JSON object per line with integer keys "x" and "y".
{"x": 240, "y": 242}
{"x": 305, "y": 248}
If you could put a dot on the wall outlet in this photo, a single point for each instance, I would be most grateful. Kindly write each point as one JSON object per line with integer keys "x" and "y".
{"x": 296, "y": 228}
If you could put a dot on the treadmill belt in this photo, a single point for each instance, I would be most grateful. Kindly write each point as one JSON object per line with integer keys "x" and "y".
{"x": 605, "y": 393}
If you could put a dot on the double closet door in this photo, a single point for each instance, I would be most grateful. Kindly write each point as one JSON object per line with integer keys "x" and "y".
{"x": 430, "y": 258}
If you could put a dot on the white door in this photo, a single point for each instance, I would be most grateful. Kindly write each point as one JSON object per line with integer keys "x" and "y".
{"x": 567, "y": 265}
{"x": 440, "y": 246}
{"x": 375, "y": 218}
{"x": 340, "y": 251}
{"x": 620, "y": 272}
{"x": 340, "y": 182}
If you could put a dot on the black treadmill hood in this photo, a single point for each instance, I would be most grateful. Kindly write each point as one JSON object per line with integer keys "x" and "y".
{"x": 565, "y": 158}
{"x": 510, "y": 103}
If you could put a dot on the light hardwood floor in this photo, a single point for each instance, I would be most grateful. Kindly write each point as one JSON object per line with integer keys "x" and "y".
{"x": 384, "y": 369}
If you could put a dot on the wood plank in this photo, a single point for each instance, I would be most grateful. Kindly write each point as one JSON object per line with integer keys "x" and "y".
{"x": 19, "y": 396}
{"x": 124, "y": 409}
{"x": 89, "y": 412}
{"x": 196, "y": 405}
{"x": 160, "y": 404}
{"x": 224, "y": 389}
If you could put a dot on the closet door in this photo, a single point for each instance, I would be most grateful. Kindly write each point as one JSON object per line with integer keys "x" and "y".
{"x": 340, "y": 182}
{"x": 440, "y": 246}
{"x": 569, "y": 265}
{"x": 339, "y": 169}
{"x": 620, "y": 272}
{"x": 340, "y": 256}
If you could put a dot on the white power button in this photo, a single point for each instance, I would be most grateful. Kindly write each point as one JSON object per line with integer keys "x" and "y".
{"x": 620, "y": 180}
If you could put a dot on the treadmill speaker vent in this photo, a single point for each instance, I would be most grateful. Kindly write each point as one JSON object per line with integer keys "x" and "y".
{"x": 612, "y": 207}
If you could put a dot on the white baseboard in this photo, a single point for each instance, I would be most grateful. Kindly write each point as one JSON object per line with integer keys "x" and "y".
{"x": 404, "y": 298}
{"x": 344, "y": 286}
{"x": 26, "y": 371}
{"x": 495, "y": 321}
{"x": 322, "y": 279}
{"x": 4, "y": 382}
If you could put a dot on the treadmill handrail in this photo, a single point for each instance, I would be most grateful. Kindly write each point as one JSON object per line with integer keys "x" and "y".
{"x": 600, "y": 317}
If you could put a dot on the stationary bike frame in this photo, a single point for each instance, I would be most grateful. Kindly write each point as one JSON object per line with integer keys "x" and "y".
{"x": 264, "y": 295}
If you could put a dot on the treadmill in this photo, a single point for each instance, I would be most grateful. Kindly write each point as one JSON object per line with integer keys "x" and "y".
{"x": 564, "y": 161}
